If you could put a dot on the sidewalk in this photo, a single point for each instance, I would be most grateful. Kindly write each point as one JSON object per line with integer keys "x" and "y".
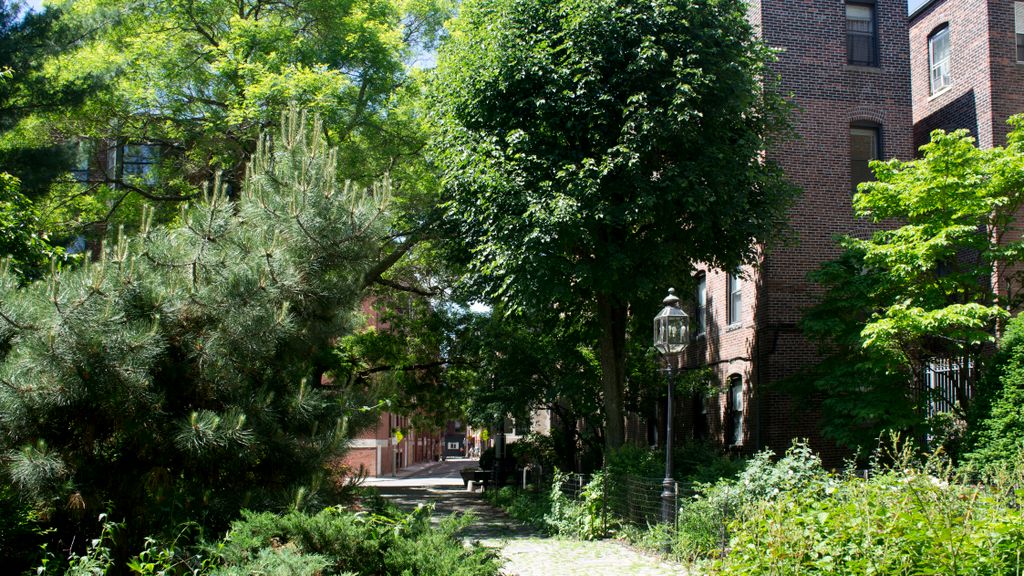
{"x": 525, "y": 552}
{"x": 444, "y": 473}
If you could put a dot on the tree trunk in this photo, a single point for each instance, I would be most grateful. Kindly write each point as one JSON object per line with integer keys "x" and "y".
{"x": 611, "y": 316}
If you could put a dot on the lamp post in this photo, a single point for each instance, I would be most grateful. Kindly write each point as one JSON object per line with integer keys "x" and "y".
{"x": 671, "y": 335}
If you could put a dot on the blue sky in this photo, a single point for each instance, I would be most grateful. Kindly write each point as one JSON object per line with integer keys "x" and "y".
{"x": 913, "y": 4}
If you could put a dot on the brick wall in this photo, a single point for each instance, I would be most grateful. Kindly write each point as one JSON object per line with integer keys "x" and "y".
{"x": 829, "y": 95}
{"x": 967, "y": 103}
{"x": 1007, "y": 75}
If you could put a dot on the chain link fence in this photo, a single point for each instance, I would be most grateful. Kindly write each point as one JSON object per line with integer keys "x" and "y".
{"x": 636, "y": 501}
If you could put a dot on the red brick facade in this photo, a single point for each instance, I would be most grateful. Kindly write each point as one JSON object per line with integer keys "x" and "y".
{"x": 376, "y": 449}
{"x": 986, "y": 77}
{"x": 831, "y": 96}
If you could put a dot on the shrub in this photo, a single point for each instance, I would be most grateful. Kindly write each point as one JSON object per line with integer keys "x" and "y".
{"x": 578, "y": 518}
{"x": 909, "y": 518}
{"x": 535, "y": 449}
{"x": 523, "y": 505}
{"x": 439, "y": 552}
{"x": 333, "y": 542}
{"x": 996, "y": 441}
{"x": 702, "y": 520}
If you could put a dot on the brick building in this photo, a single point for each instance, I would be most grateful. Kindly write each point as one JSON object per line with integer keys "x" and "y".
{"x": 391, "y": 442}
{"x": 849, "y": 67}
{"x": 967, "y": 67}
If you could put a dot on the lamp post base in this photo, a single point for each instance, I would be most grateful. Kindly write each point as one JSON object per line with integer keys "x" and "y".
{"x": 668, "y": 500}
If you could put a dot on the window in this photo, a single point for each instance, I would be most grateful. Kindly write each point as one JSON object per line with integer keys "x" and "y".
{"x": 735, "y": 407}
{"x": 735, "y": 299}
{"x": 139, "y": 161}
{"x": 861, "y": 41}
{"x": 130, "y": 161}
{"x": 863, "y": 149}
{"x": 700, "y": 309}
{"x": 82, "y": 152}
{"x": 1018, "y": 18}
{"x": 938, "y": 60}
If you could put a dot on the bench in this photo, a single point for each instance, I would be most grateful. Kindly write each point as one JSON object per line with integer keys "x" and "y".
{"x": 473, "y": 477}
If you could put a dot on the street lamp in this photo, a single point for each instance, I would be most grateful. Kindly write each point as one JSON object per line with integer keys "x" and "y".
{"x": 671, "y": 335}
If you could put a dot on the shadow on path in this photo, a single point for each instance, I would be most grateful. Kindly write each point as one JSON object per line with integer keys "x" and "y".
{"x": 491, "y": 526}
{"x": 525, "y": 552}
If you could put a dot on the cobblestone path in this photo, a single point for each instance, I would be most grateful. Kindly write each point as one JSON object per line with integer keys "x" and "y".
{"x": 526, "y": 553}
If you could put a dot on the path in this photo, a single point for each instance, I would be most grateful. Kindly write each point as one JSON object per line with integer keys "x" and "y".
{"x": 526, "y": 552}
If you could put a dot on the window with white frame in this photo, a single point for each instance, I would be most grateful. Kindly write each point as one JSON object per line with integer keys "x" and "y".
{"x": 735, "y": 288}
{"x": 938, "y": 60}
{"x": 735, "y": 408}
{"x": 700, "y": 309}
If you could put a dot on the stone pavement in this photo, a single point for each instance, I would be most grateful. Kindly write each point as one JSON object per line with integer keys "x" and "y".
{"x": 525, "y": 552}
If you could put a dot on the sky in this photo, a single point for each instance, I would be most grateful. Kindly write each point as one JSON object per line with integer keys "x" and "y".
{"x": 914, "y": 4}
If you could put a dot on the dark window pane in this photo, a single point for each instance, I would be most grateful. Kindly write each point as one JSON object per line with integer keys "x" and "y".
{"x": 701, "y": 308}
{"x": 863, "y": 149}
{"x": 861, "y": 44}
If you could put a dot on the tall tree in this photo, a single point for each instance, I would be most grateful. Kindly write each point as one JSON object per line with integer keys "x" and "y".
{"x": 592, "y": 149}
{"x": 175, "y": 378}
{"x": 27, "y": 40}
{"x": 198, "y": 80}
{"x": 921, "y": 290}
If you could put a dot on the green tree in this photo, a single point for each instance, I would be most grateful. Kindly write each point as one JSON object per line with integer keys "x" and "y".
{"x": 179, "y": 376}
{"x": 23, "y": 238}
{"x": 995, "y": 438}
{"x": 27, "y": 40}
{"x": 200, "y": 79}
{"x": 592, "y": 149}
{"x": 921, "y": 290}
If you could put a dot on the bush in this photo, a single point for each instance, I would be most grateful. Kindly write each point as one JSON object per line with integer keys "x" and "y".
{"x": 996, "y": 440}
{"x": 535, "y": 449}
{"x": 581, "y": 517}
{"x": 526, "y": 506}
{"x": 702, "y": 520}
{"x": 332, "y": 542}
{"x": 898, "y": 522}
{"x": 21, "y": 534}
{"x": 365, "y": 543}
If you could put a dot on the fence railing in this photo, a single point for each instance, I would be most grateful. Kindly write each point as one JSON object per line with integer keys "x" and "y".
{"x": 631, "y": 500}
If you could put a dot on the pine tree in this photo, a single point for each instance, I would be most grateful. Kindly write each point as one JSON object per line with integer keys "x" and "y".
{"x": 175, "y": 377}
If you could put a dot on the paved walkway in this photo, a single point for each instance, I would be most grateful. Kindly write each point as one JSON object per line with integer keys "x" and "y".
{"x": 526, "y": 552}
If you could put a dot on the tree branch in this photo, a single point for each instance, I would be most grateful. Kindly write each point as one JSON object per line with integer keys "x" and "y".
{"x": 403, "y": 288}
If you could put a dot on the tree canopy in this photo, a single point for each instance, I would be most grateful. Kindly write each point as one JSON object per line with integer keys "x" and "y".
{"x": 592, "y": 149}
{"x": 196, "y": 81}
